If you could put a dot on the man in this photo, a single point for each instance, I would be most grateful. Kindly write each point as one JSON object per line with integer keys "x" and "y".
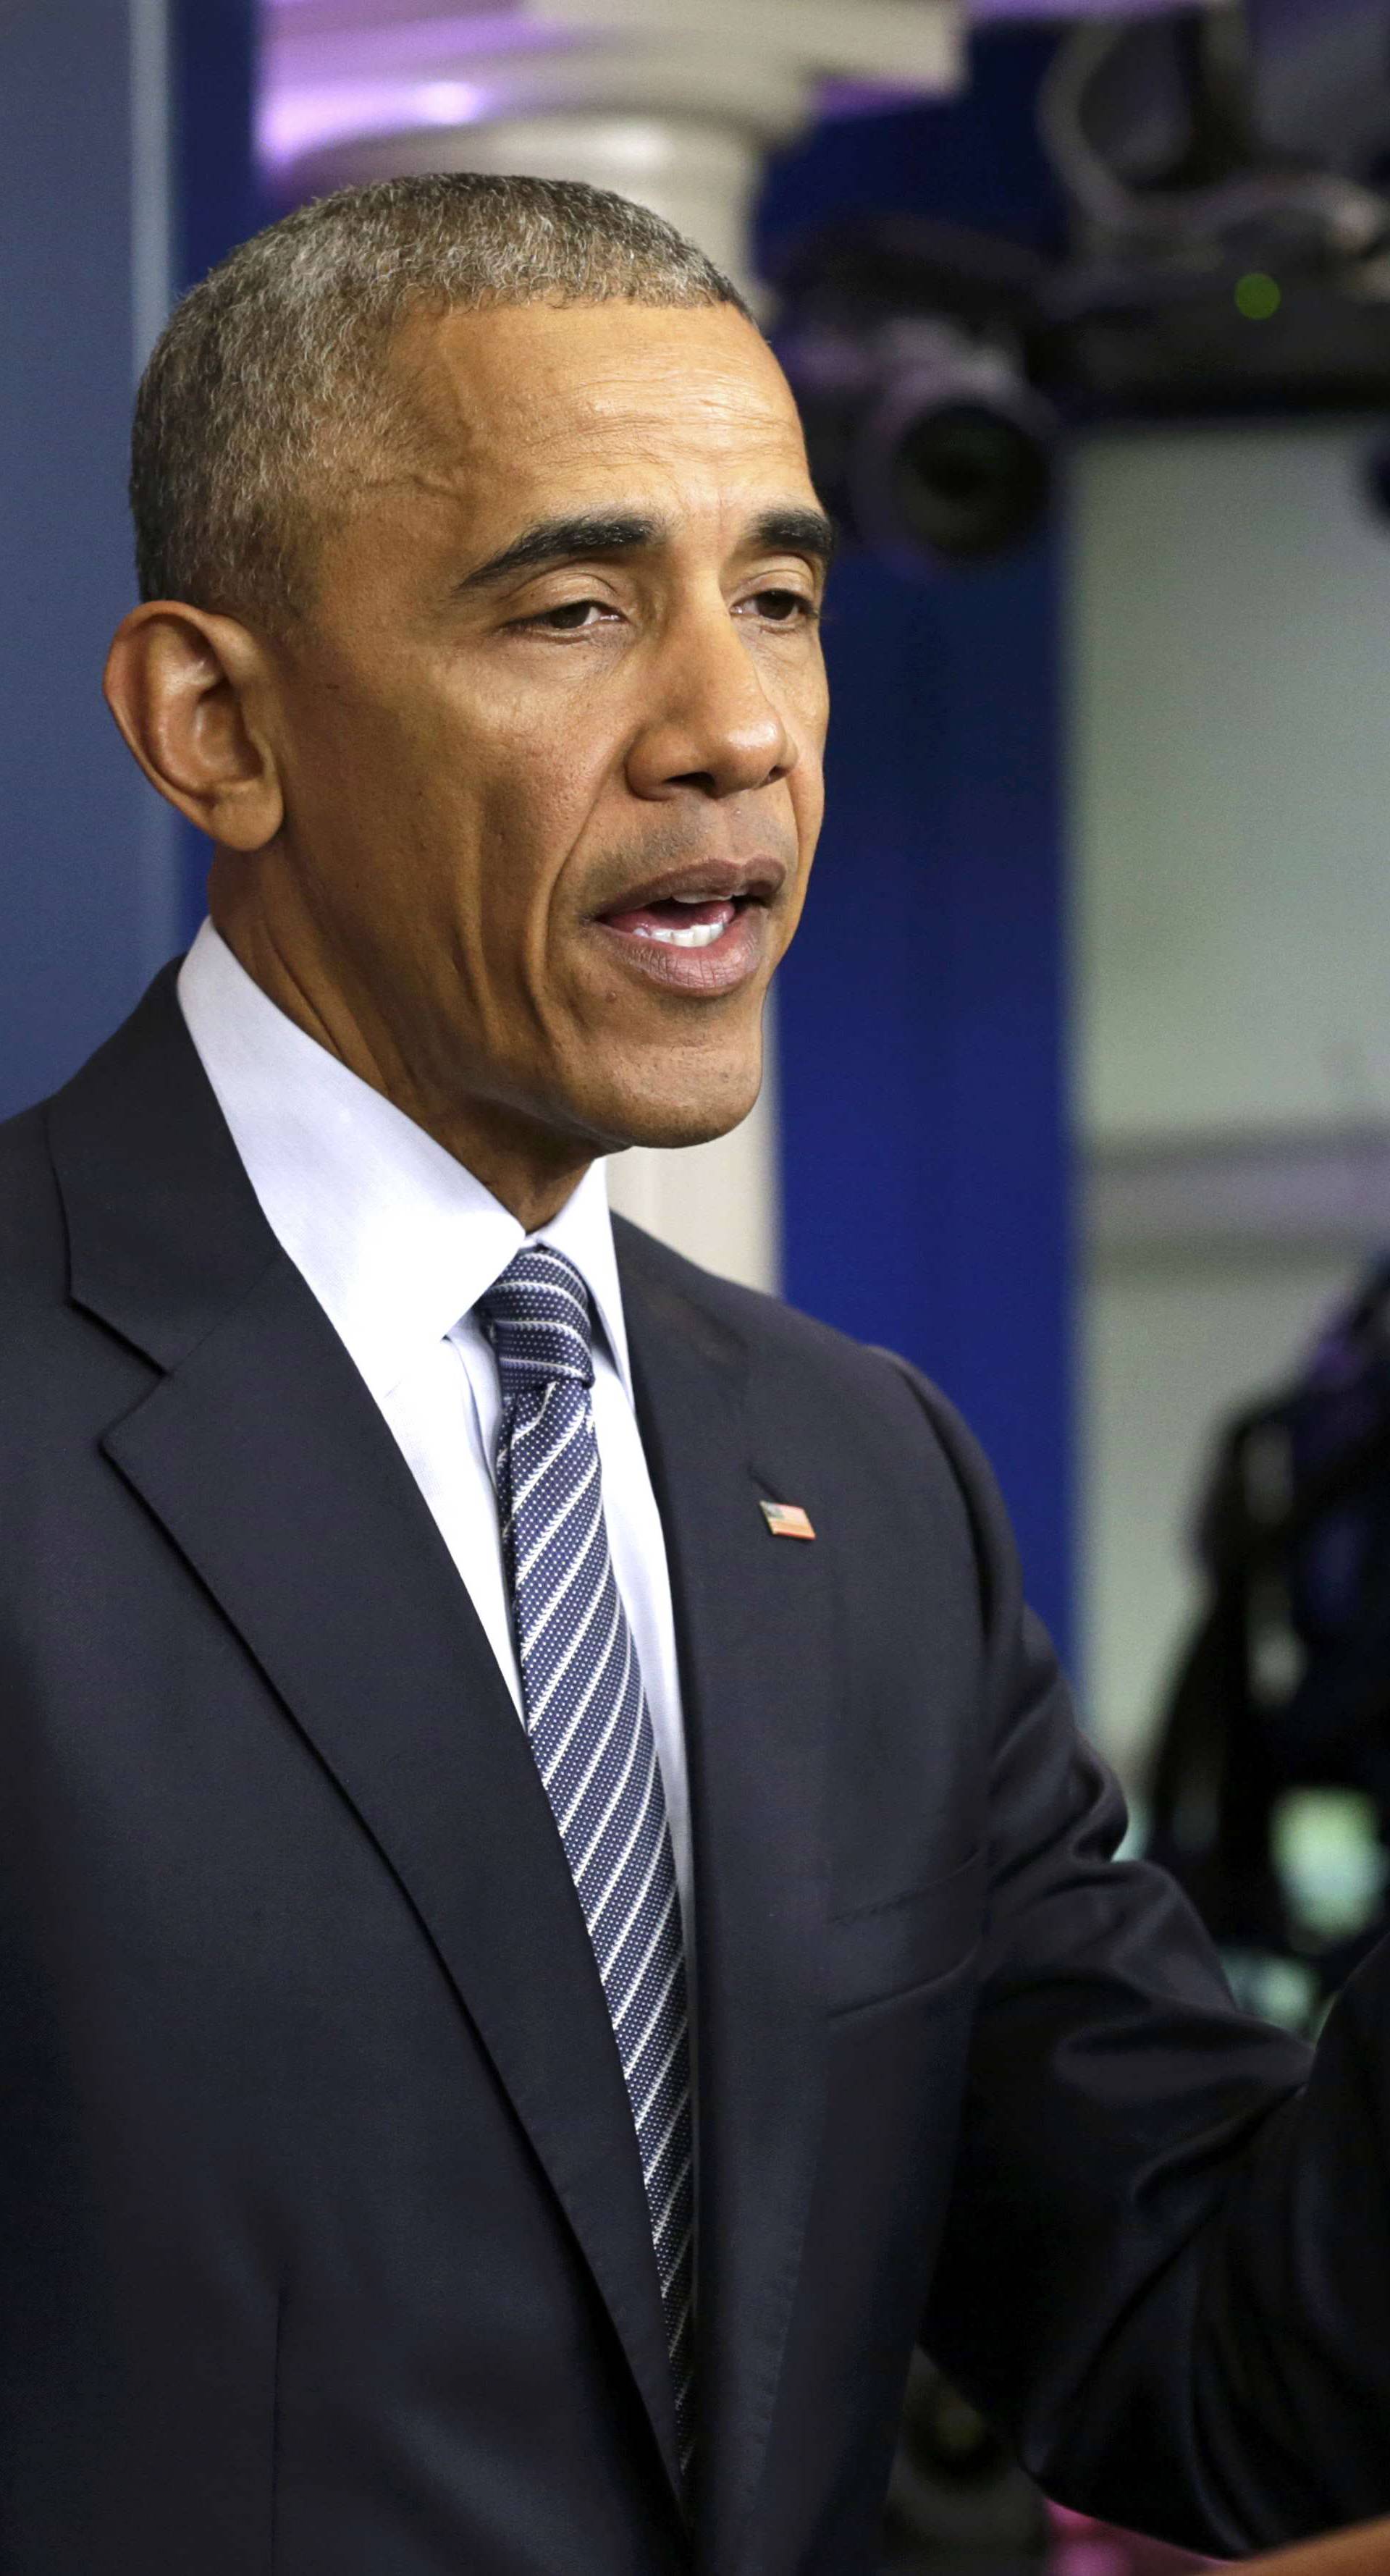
{"x": 555, "y": 1916}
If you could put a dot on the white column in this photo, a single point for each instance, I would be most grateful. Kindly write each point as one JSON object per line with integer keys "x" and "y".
{"x": 677, "y": 116}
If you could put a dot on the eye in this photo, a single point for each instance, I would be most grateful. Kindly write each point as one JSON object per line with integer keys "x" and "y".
{"x": 783, "y": 607}
{"x": 569, "y": 616}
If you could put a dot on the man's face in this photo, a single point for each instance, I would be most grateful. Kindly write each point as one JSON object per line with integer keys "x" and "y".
{"x": 551, "y": 735}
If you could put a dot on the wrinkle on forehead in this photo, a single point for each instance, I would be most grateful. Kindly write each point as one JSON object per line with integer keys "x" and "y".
{"x": 541, "y": 380}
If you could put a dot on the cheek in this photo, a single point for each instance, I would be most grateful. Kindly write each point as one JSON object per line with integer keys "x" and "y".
{"x": 535, "y": 755}
{"x": 527, "y": 822}
{"x": 547, "y": 775}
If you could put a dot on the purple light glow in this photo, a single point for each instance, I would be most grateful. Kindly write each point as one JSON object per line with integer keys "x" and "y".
{"x": 285, "y": 9}
{"x": 345, "y": 94}
{"x": 293, "y": 120}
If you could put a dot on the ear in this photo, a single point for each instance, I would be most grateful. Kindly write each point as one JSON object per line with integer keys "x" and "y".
{"x": 189, "y": 691}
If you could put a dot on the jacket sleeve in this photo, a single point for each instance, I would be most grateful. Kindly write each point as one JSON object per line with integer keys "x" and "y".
{"x": 1166, "y": 2266}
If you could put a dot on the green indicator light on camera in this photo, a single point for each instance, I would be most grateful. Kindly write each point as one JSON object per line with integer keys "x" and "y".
{"x": 1259, "y": 296}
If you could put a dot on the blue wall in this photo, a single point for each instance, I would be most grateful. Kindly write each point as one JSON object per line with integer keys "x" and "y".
{"x": 218, "y": 197}
{"x": 92, "y": 873}
{"x": 84, "y": 852}
{"x": 926, "y": 1157}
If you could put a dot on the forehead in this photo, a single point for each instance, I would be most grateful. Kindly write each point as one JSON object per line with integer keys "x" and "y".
{"x": 523, "y": 404}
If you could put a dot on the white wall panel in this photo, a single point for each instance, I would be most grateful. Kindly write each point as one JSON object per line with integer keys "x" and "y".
{"x": 1231, "y": 652}
{"x": 1231, "y": 775}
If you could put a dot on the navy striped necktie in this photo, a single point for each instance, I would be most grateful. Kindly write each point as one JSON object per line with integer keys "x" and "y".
{"x": 591, "y": 1733}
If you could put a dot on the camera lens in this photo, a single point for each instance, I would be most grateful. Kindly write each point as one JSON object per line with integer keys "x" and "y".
{"x": 968, "y": 481}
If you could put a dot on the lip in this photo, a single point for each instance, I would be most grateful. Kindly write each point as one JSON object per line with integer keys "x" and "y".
{"x": 706, "y": 973}
{"x": 757, "y": 880}
{"x": 729, "y": 962}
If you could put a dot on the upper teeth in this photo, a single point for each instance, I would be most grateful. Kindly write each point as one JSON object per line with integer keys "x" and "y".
{"x": 701, "y": 934}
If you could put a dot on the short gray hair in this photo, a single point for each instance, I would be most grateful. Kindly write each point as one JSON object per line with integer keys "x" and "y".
{"x": 269, "y": 385}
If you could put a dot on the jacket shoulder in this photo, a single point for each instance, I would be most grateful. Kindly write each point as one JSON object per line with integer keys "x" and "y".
{"x": 766, "y": 1325}
{"x": 878, "y": 1386}
{"x": 831, "y": 1402}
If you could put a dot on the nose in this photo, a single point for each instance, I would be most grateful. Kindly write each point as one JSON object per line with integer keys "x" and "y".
{"x": 713, "y": 726}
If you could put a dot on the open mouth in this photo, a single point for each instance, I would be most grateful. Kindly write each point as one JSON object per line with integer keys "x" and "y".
{"x": 680, "y": 920}
{"x": 702, "y": 930}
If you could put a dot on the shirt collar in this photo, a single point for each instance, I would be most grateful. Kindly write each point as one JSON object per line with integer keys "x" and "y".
{"x": 396, "y": 1239}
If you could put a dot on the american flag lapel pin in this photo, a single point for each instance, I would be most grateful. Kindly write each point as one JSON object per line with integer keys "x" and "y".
{"x": 787, "y": 1520}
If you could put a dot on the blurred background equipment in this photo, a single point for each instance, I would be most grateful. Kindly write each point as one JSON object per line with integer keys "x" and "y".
{"x": 908, "y": 345}
{"x": 960, "y": 2505}
{"x": 1209, "y": 271}
{"x": 959, "y": 2500}
{"x": 1176, "y": 235}
{"x": 1269, "y": 1794}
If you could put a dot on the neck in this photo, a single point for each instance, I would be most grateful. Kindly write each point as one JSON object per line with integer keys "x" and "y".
{"x": 529, "y": 1168}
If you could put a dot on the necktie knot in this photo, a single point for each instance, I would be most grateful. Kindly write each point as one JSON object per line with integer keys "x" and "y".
{"x": 539, "y": 1321}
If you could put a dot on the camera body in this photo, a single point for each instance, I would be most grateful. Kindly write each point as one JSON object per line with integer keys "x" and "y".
{"x": 938, "y": 368}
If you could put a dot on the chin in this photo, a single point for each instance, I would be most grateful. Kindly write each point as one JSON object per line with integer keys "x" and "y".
{"x": 693, "y": 1114}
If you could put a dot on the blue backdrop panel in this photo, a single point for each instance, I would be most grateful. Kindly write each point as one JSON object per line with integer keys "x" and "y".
{"x": 91, "y": 877}
{"x": 926, "y": 1160}
{"x": 925, "y": 1164}
{"x": 84, "y": 857}
{"x": 218, "y": 199}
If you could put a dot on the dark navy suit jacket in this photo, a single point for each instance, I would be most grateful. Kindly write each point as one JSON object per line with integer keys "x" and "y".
{"x": 323, "y": 2247}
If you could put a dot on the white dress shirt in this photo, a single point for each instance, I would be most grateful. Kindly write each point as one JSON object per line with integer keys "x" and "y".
{"x": 398, "y": 1241}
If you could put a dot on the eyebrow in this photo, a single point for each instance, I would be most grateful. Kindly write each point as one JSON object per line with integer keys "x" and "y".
{"x": 577, "y": 538}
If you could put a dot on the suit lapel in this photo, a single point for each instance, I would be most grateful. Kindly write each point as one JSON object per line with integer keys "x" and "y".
{"x": 267, "y": 1462}
{"x": 755, "y": 1635}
